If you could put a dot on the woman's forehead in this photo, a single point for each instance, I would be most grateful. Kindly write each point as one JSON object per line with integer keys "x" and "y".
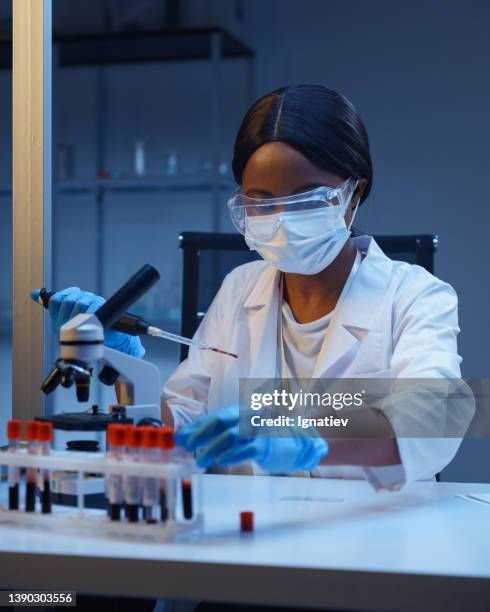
{"x": 280, "y": 169}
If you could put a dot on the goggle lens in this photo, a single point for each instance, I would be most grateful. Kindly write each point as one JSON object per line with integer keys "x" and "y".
{"x": 242, "y": 206}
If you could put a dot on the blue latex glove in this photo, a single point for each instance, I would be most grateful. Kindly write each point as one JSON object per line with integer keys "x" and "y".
{"x": 218, "y": 436}
{"x": 69, "y": 302}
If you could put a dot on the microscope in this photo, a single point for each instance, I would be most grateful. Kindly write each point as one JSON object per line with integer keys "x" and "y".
{"x": 83, "y": 356}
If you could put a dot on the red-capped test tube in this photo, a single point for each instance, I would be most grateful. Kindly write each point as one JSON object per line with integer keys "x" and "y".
{"x": 150, "y": 454}
{"x": 116, "y": 444}
{"x": 168, "y": 486}
{"x": 44, "y": 438}
{"x": 32, "y": 443}
{"x": 246, "y": 521}
{"x": 132, "y": 484}
{"x": 14, "y": 434}
{"x": 186, "y": 485}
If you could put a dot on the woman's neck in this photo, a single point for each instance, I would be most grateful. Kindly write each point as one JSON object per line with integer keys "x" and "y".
{"x": 311, "y": 297}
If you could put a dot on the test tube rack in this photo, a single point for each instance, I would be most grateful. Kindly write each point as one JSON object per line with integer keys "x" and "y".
{"x": 96, "y": 522}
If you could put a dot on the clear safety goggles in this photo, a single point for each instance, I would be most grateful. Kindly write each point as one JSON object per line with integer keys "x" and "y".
{"x": 242, "y": 206}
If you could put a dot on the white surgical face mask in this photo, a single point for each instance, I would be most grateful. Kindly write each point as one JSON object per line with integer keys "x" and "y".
{"x": 300, "y": 241}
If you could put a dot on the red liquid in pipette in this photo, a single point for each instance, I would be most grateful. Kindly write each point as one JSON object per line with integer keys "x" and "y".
{"x": 217, "y": 350}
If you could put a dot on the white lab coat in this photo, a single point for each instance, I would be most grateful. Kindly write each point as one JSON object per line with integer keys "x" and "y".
{"x": 396, "y": 321}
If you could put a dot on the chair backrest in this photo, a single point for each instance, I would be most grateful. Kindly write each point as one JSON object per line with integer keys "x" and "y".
{"x": 208, "y": 257}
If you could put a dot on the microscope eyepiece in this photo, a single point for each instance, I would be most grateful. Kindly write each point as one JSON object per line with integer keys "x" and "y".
{"x": 126, "y": 295}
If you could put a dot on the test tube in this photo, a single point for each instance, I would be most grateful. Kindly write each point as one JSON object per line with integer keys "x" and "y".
{"x": 132, "y": 484}
{"x": 32, "y": 442}
{"x": 167, "y": 486}
{"x": 150, "y": 454}
{"x": 186, "y": 486}
{"x": 44, "y": 438}
{"x": 187, "y": 498}
{"x": 116, "y": 441}
{"x": 14, "y": 434}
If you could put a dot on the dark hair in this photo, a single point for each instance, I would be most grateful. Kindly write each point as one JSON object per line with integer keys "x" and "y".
{"x": 320, "y": 123}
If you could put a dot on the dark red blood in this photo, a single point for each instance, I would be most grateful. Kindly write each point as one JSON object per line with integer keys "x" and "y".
{"x": 246, "y": 521}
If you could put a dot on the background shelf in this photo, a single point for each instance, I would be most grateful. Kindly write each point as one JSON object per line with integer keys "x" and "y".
{"x": 134, "y": 47}
{"x": 137, "y": 186}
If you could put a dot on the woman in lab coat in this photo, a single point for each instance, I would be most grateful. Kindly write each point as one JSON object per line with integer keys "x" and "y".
{"x": 321, "y": 304}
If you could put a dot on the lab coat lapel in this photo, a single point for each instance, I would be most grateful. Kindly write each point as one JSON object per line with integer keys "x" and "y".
{"x": 262, "y": 305}
{"x": 354, "y": 316}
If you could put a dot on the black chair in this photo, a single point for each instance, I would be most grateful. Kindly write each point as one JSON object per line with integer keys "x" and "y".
{"x": 208, "y": 257}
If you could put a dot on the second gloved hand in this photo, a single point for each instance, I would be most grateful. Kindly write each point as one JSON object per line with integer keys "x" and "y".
{"x": 217, "y": 436}
{"x": 67, "y": 303}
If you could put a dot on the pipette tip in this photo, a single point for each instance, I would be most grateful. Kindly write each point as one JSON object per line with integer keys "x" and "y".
{"x": 155, "y": 331}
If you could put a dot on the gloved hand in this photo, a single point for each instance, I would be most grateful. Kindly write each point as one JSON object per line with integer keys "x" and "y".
{"x": 69, "y": 302}
{"x": 218, "y": 435}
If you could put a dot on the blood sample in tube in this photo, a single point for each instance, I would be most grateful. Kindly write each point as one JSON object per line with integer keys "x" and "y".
{"x": 44, "y": 438}
{"x": 32, "y": 437}
{"x": 150, "y": 453}
{"x": 116, "y": 441}
{"x": 132, "y": 486}
{"x": 166, "y": 441}
{"x": 187, "y": 498}
{"x": 186, "y": 484}
{"x": 14, "y": 434}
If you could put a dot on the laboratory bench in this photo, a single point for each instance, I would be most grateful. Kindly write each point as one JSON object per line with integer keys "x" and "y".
{"x": 332, "y": 544}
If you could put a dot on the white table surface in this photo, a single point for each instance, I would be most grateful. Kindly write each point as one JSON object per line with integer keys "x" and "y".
{"x": 339, "y": 544}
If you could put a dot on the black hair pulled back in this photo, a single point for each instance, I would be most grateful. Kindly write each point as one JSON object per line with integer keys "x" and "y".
{"x": 320, "y": 123}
